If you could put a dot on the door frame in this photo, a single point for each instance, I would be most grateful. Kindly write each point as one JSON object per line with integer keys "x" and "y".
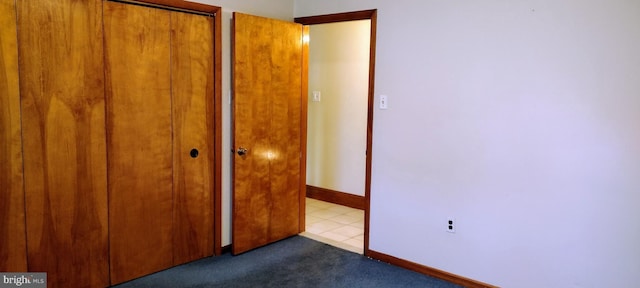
{"x": 345, "y": 17}
{"x": 216, "y": 12}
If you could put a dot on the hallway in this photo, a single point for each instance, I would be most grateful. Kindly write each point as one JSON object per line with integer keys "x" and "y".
{"x": 334, "y": 224}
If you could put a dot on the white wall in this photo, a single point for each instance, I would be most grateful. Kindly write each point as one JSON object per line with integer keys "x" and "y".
{"x": 278, "y": 9}
{"x": 337, "y": 124}
{"x": 521, "y": 120}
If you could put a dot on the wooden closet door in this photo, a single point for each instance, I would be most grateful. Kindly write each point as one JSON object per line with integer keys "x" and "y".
{"x": 13, "y": 250}
{"x": 62, "y": 92}
{"x": 193, "y": 163}
{"x": 138, "y": 91}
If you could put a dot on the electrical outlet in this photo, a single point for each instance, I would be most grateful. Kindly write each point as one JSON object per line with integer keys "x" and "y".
{"x": 451, "y": 225}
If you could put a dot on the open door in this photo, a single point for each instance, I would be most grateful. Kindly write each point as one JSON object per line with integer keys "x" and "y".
{"x": 269, "y": 85}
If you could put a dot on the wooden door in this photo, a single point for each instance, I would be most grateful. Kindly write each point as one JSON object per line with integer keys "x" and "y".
{"x": 268, "y": 66}
{"x": 13, "y": 255}
{"x": 160, "y": 88}
{"x": 138, "y": 91}
{"x": 193, "y": 128}
{"x": 62, "y": 92}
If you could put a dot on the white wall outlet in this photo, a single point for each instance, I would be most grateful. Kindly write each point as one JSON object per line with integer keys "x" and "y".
{"x": 316, "y": 96}
{"x": 451, "y": 225}
{"x": 384, "y": 102}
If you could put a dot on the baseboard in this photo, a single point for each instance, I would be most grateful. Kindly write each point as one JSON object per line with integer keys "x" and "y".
{"x": 436, "y": 273}
{"x": 336, "y": 197}
{"x": 226, "y": 249}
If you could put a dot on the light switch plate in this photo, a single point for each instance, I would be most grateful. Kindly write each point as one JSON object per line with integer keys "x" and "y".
{"x": 316, "y": 96}
{"x": 384, "y": 102}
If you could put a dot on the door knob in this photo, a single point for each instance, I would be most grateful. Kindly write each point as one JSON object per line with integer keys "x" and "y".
{"x": 194, "y": 153}
{"x": 242, "y": 151}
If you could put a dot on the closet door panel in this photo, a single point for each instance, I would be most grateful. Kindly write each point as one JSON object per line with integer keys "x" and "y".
{"x": 192, "y": 92}
{"x": 13, "y": 250}
{"x": 137, "y": 43}
{"x": 62, "y": 91}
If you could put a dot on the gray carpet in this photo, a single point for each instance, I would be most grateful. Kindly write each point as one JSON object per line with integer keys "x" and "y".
{"x": 293, "y": 262}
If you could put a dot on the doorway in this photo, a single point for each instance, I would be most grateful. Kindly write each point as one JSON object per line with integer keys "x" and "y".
{"x": 340, "y": 117}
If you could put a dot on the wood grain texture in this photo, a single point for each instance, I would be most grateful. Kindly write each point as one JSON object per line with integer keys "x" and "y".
{"x": 138, "y": 91}
{"x": 217, "y": 106}
{"x": 62, "y": 91}
{"x": 192, "y": 92}
{"x": 181, "y": 4}
{"x": 285, "y": 96}
{"x": 13, "y": 250}
{"x": 251, "y": 195}
{"x": 267, "y": 119}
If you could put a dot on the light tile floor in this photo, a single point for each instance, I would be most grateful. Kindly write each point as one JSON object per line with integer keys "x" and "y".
{"x": 334, "y": 224}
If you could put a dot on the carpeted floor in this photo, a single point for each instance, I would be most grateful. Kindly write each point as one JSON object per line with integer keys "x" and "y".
{"x": 294, "y": 262}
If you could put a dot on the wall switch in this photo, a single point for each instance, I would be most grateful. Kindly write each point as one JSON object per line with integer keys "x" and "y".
{"x": 451, "y": 225}
{"x": 384, "y": 102}
{"x": 316, "y": 96}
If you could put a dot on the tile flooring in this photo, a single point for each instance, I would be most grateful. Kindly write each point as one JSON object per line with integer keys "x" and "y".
{"x": 334, "y": 224}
